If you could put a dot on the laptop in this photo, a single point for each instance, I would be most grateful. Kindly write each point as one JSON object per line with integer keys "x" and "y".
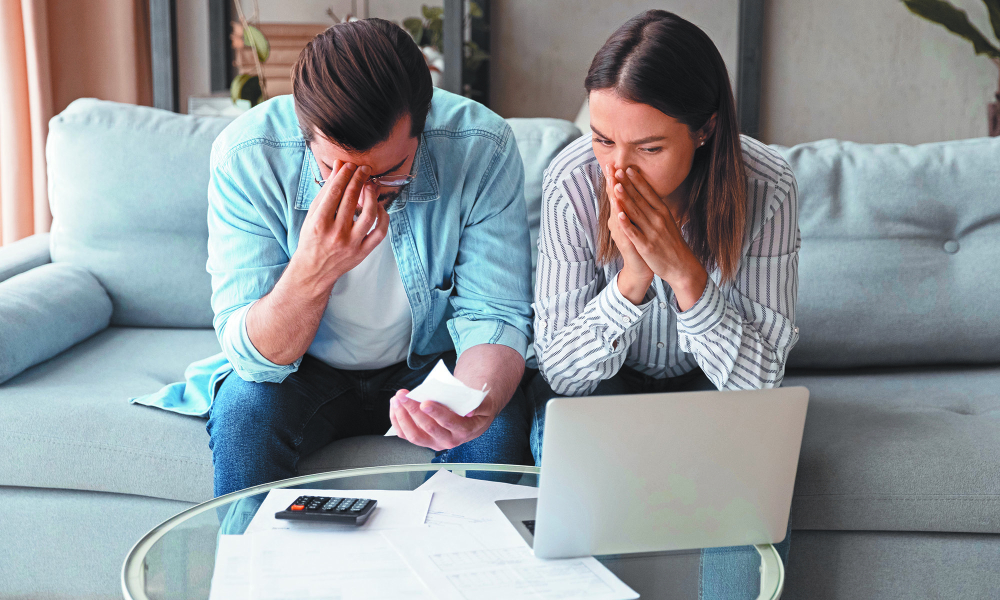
{"x": 658, "y": 472}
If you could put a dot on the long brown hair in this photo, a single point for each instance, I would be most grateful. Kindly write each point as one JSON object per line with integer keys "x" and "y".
{"x": 661, "y": 60}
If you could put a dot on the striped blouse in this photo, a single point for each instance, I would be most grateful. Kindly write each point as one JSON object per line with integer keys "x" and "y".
{"x": 738, "y": 332}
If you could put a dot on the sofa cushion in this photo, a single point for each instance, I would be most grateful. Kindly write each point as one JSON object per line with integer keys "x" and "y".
{"x": 128, "y": 190}
{"x": 899, "y": 252}
{"x": 539, "y": 141}
{"x": 129, "y": 202}
{"x": 900, "y": 450}
{"x": 67, "y": 423}
{"x": 45, "y": 311}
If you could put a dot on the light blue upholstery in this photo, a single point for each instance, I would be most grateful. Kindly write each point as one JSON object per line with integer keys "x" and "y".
{"x": 539, "y": 141}
{"x": 45, "y": 311}
{"x": 900, "y": 247}
{"x": 24, "y": 255}
{"x": 129, "y": 204}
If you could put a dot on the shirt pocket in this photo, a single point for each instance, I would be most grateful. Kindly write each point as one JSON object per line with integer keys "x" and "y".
{"x": 440, "y": 306}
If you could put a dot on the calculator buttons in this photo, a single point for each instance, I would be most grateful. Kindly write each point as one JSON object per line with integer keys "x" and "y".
{"x": 359, "y": 505}
{"x": 346, "y": 504}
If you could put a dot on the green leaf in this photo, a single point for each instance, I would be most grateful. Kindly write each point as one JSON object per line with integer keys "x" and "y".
{"x": 252, "y": 37}
{"x": 435, "y": 30}
{"x": 954, "y": 20}
{"x": 246, "y": 87}
{"x": 415, "y": 27}
{"x": 432, "y": 12}
{"x": 993, "y": 7}
{"x": 475, "y": 11}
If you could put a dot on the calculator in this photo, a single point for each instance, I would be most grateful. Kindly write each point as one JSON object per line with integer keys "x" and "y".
{"x": 327, "y": 509}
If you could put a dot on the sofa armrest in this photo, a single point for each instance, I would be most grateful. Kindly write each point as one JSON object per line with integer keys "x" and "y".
{"x": 45, "y": 311}
{"x": 24, "y": 255}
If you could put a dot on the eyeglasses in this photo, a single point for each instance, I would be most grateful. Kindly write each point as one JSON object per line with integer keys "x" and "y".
{"x": 392, "y": 181}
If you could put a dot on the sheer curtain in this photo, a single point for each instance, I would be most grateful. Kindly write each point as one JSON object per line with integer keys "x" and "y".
{"x": 51, "y": 53}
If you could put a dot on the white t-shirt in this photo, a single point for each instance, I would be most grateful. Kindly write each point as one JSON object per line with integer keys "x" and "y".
{"x": 367, "y": 323}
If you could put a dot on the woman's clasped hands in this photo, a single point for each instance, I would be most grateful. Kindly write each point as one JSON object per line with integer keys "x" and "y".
{"x": 650, "y": 240}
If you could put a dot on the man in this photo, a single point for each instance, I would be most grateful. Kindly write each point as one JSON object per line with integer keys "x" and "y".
{"x": 358, "y": 231}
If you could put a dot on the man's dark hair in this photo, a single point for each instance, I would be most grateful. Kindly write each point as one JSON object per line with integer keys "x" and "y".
{"x": 354, "y": 81}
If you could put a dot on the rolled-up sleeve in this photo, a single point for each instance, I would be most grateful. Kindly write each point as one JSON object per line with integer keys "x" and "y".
{"x": 492, "y": 276}
{"x": 245, "y": 259}
{"x": 741, "y": 334}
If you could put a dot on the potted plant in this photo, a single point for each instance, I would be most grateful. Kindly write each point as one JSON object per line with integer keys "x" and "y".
{"x": 957, "y": 21}
{"x": 428, "y": 32}
{"x": 246, "y": 86}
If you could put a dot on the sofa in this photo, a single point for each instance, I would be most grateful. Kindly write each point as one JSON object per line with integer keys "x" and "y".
{"x": 897, "y": 495}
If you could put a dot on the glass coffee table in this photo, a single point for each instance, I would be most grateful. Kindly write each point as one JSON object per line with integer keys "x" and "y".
{"x": 177, "y": 558}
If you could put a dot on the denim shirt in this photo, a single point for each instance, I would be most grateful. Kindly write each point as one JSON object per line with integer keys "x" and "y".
{"x": 459, "y": 233}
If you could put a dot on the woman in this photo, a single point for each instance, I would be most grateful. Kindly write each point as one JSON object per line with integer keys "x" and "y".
{"x": 668, "y": 249}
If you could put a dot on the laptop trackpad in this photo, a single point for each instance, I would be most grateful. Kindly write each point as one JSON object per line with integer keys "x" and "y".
{"x": 521, "y": 514}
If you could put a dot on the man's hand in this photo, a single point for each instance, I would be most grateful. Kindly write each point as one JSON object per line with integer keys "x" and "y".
{"x": 435, "y": 426}
{"x": 282, "y": 324}
{"x": 331, "y": 242}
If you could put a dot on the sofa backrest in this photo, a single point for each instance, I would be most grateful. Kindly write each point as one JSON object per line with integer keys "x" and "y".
{"x": 900, "y": 253}
{"x": 128, "y": 190}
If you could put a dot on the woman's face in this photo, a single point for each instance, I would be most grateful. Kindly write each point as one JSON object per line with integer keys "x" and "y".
{"x": 628, "y": 134}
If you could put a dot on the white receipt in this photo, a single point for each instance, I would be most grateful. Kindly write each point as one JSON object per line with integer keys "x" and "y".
{"x": 443, "y": 387}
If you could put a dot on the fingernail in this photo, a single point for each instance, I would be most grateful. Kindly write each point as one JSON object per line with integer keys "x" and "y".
{"x": 366, "y": 169}
{"x": 425, "y": 407}
{"x": 393, "y": 401}
{"x": 619, "y": 188}
{"x": 351, "y": 166}
{"x": 630, "y": 172}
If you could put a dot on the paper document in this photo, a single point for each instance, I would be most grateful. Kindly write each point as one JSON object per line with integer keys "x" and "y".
{"x": 350, "y": 564}
{"x": 490, "y": 561}
{"x": 459, "y": 500}
{"x": 231, "y": 578}
{"x": 443, "y": 387}
{"x": 395, "y": 508}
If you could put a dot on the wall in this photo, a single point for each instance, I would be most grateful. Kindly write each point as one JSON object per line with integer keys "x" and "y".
{"x": 862, "y": 70}
{"x": 542, "y": 50}
{"x": 192, "y": 50}
{"x": 870, "y": 71}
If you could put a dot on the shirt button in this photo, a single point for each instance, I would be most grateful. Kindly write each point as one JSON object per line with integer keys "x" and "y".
{"x": 628, "y": 319}
{"x": 663, "y": 304}
{"x": 659, "y": 344}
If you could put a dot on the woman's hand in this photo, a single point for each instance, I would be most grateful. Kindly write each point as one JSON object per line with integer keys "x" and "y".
{"x": 650, "y": 226}
{"x": 636, "y": 276}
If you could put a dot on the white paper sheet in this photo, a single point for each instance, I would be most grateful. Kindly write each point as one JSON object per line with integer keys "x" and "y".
{"x": 395, "y": 508}
{"x": 443, "y": 387}
{"x": 353, "y": 564}
{"x": 490, "y": 561}
{"x": 459, "y": 500}
{"x": 231, "y": 578}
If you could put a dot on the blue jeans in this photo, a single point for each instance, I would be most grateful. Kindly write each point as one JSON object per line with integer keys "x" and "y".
{"x": 258, "y": 432}
{"x": 731, "y": 573}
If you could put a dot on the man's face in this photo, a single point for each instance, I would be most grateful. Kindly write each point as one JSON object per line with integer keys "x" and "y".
{"x": 394, "y": 156}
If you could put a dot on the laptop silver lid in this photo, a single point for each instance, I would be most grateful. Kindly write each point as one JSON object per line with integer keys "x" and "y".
{"x": 656, "y": 472}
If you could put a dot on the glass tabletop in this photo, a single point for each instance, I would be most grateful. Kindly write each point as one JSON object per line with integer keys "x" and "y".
{"x": 177, "y": 558}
